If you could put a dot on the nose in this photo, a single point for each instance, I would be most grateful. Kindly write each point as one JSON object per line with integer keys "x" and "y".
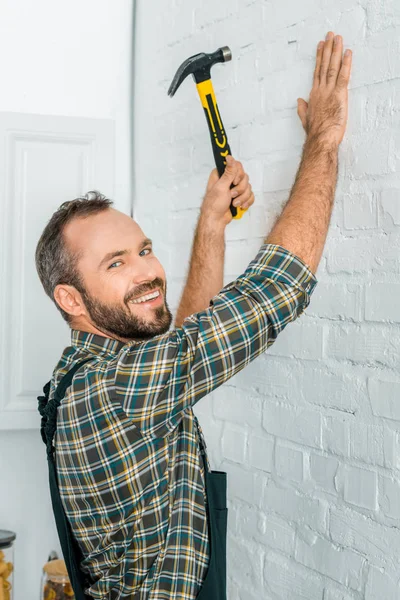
{"x": 144, "y": 272}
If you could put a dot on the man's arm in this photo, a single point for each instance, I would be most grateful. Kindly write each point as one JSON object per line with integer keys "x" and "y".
{"x": 155, "y": 381}
{"x": 206, "y": 268}
{"x": 303, "y": 224}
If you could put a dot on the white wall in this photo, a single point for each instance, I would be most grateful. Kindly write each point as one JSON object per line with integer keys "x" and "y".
{"x": 70, "y": 59}
{"x": 309, "y": 434}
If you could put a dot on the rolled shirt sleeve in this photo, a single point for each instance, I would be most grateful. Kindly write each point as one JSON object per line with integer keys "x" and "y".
{"x": 156, "y": 380}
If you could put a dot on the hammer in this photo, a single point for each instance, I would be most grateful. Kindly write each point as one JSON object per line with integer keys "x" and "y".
{"x": 199, "y": 66}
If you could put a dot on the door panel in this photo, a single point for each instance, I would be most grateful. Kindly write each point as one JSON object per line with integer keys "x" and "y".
{"x": 44, "y": 161}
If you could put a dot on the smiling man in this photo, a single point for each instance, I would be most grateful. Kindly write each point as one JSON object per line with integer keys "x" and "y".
{"x": 129, "y": 452}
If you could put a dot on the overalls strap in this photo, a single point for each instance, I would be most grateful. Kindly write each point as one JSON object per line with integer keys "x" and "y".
{"x": 214, "y": 584}
{"x": 70, "y": 549}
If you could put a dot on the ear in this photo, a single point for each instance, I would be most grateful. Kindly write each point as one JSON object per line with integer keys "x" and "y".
{"x": 69, "y": 299}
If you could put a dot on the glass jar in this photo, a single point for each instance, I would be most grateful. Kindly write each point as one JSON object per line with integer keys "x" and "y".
{"x": 6, "y": 564}
{"x": 55, "y": 582}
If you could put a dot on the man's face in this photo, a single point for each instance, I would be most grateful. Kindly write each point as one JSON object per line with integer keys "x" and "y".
{"x": 117, "y": 267}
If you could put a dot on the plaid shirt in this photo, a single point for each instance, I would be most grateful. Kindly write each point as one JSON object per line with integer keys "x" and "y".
{"x": 130, "y": 472}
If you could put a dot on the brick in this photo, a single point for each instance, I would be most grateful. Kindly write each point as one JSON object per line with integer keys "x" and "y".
{"x": 203, "y": 16}
{"x": 364, "y": 255}
{"x": 380, "y": 15}
{"x": 287, "y": 579}
{"x": 270, "y": 376}
{"x": 254, "y": 168}
{"x": 338, "y": 594}
{"x": 246, "y": 564}
{"x": 283, "y": 45}
{"x": 384, "y": 394}
{"x": 374, "y": 62}
{"x": 238, "y": 255}
{"x": 389, "y": 496}
{"x": 364, "y": 345}
{"x": 382, "y": 302}
{"x": 371, "y": 154}
{"x": 294, "y": 506}
{"x": 289, "y": 462}
{"x": 364, "y": 535}
{"x": 336, "y": 301}
{"x": 391, "y": 448}
{"x": 234, "y": 443}
{"x": 277, "y": 533}
{"x": 241, "y": 483}
{"x": 345, "y": 392}
{"x": 359, "y": 212}
{"x": 382, "y": 584}
{"x": 340, "y": 564}
{"x": 261, "y": 452}
{"x": 231, "y": 403}
{"x": 381, "y": 108}
{"x": 299, "y": 340}
{"x": 241, "y": 109}
{"x": 277, "y": 16}
{"x": 271, "y": 137}
{"x": 390, "y": 202}
{"x": 299, "y": 425}
{"x": 280, "y": 175}
{"x": 336, "y": 435}
{"x": 323, "y": 471}
{"x": 367, "y": 442}
{"x": 360, "y": 487}
{"x": 245, "y": 66}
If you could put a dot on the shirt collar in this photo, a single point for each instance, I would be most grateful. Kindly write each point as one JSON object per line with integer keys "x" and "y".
{"x": 94, "y": 343}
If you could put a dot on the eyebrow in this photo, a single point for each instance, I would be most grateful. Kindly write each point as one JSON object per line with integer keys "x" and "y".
{"x": 110, "y": 255}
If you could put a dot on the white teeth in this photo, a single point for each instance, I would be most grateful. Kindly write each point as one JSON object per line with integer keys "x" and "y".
{"x": 145, "y": 298}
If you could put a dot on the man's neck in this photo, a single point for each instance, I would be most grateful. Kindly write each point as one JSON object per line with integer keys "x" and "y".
{"x": 81, "y": 325}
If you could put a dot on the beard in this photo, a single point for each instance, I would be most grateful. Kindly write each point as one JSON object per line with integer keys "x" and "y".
{"x": 121, "y": 322}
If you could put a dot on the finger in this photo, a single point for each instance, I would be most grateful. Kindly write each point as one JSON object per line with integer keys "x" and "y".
{"x": 241, "y": 187}
{"x": 212, "y": 180}
{"x": 326, "y": 57}
{"x": 229, "y": 175}
{"x": 243, "y": 198}
{"x": 336, "y": 59}
{"x": 345, "y": 70}
{"x": 302, "y": 107}
{"x": 249, "y": 202}
{"x": 320, "y": 49}
{"x": 240, "y": 173}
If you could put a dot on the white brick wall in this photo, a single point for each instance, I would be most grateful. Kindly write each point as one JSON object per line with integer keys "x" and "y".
{"x": 310, "y": 432}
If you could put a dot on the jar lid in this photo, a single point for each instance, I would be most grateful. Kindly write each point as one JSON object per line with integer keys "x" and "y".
{"x": 56, "y": 570}
{"x": 6, "y": 538}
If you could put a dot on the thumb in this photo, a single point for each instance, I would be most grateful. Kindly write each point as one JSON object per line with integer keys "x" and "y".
{"x": 302, "y": 107}
{"x": 230, "y": 172}
{"x": 212, "y": 180}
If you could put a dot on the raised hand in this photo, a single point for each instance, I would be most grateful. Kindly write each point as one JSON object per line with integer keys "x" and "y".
{"x": 325, "y": 115}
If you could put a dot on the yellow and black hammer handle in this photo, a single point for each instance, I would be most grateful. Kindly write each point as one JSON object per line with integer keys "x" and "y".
{"x": 218, "y": 135}
{"x": 199, "y": 66}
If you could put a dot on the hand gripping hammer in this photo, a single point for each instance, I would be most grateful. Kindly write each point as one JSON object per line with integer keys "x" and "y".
{"x": 199, "y": 66}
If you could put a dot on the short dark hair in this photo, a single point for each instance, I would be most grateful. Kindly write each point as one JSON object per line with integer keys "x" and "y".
{"x": 55, "y": 262}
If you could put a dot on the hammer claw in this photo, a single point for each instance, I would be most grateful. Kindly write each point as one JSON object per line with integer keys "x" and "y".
{"x": 184, "y": 70}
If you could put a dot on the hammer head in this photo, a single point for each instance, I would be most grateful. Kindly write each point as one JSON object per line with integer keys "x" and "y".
{"x": 199, "y": 66}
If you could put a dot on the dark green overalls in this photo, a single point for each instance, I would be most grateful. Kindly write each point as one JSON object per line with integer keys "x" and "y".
{"x": 214, "y": 585}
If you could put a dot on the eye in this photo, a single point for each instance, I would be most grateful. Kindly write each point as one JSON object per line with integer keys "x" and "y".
{"x": 146, "y": 250}
{"x": 115, "y": 263}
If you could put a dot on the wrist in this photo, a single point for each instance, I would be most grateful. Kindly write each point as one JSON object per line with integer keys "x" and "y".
{"x": 211, "y": 223}
{"x": 322, "y": 142}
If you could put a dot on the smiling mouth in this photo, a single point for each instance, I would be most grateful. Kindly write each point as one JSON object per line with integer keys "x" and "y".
{"x": 146, "y": 298}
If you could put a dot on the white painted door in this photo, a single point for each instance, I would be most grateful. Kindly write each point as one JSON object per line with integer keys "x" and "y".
{"x": 44, "y": 161}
